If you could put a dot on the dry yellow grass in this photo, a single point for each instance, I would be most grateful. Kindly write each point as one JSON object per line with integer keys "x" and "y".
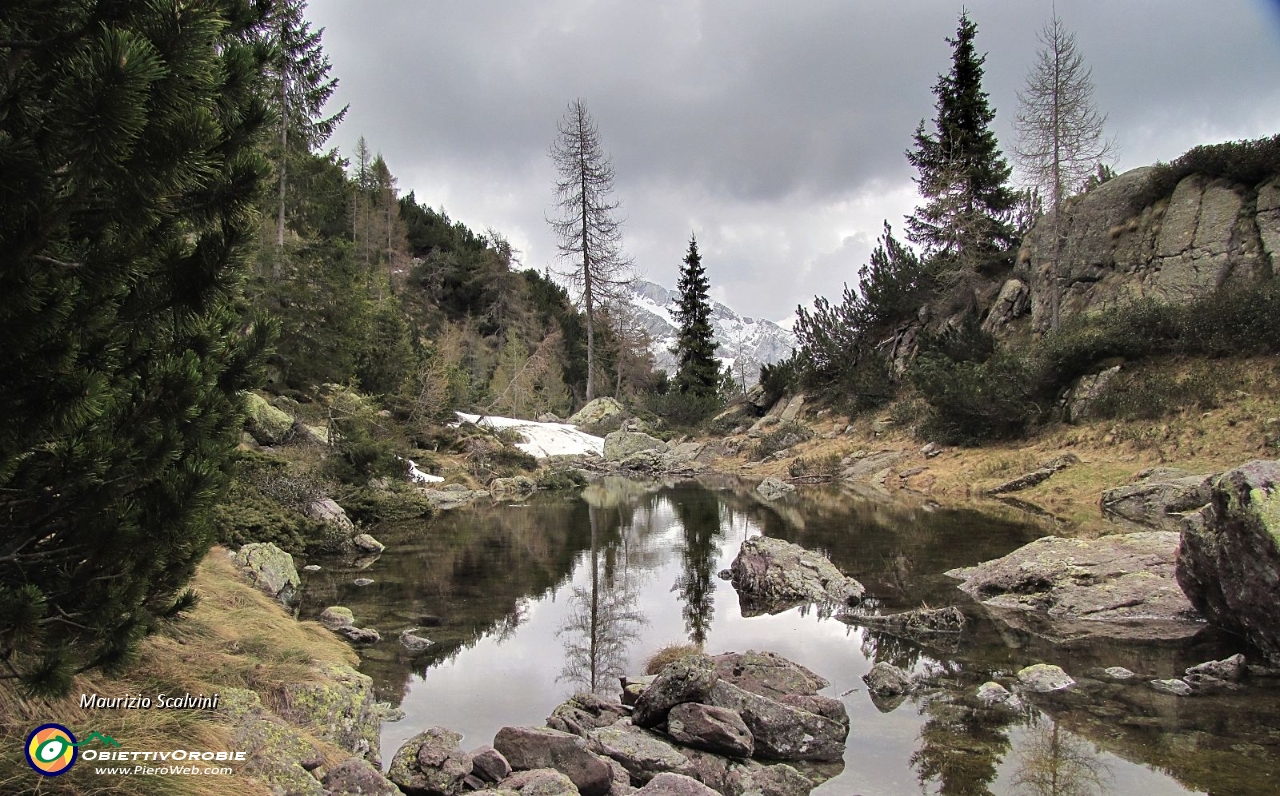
{"x": 235, "y": 637}
{"x": 668, "y": 655}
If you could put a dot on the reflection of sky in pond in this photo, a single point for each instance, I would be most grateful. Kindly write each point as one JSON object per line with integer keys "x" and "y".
{"x": 641, "y": 562}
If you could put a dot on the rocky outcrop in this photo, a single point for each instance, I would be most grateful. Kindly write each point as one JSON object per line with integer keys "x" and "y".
{"x": 688, "y": 679}
{"x": 527, "y": 748}
{"x": 278, "y": 753}
{"x": 340, "y": 707}
{"x": 619, "y": 445}
{"x": 1087, "y": 391}
{"x": 1118, "y": 586}
{"x": 270, "y": 569}
{"x": 1159, "y": 498}
{"x": 267, "y": 424}
{"x": 780, "y": 731}
{"x": 596, "y": 412}
{"x": 1229, "y": 557}
{"x": 771, "y": 576}
{"x": 1114, "y": 251}
{"x": 430, "y": 763}
{"x": 1012, "y": 302}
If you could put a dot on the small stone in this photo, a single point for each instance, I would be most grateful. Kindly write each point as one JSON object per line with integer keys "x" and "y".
{"x": 337, "y": 616}
{"x": 1044, "y": 677}
{"x": 355, "y": 775}
{"x": 885, "y": 679}
{"x": 1232, "y": 668}
{"x": 362, "y": 581}
{"x": 992, "y": 694}
{"x": 1119, "y": 673}
{"x": 367, "y": 543}
{"x": 311, "y": 568}
{"x": 1175, "y": 687}
{"x": 724, "y": 574}
{"x": 489, "y": 764}
{"x": 360, "y": 635}
{"x": 414, "y": 643}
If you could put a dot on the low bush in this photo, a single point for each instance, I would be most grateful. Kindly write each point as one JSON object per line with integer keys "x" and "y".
{"x": 1150, "y": 395}
{"x": 682, "y": 410}
{"x": 1244, "y": 162}
{"x": 367, "y": 506}
{"x": 784, "y": 435}
{"x": 669, "y": 655}
{"x": 816, "y": 467}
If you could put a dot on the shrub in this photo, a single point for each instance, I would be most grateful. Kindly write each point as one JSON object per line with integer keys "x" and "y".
{"x": 682, "y": 410}
{"x": 669, "y": 655}
{"x": 970, "y": 402}
{"x": 816, "y": 467}
{"x": 1148, "y": 395}
{"x": 1244, "y": 162}
{"x": 369, "y": 506}
{"x": 561, "y": 479}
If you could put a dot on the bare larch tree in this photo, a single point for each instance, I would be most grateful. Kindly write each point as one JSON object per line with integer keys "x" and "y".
{"x": 1060, "y": 132}
{"x": 589, "y": 231}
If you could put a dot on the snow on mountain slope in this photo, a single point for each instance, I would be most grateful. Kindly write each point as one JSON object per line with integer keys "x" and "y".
{"x": 745, "y": 343}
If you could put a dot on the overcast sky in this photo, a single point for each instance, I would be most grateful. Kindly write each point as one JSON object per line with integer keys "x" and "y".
{"x": 773, "y": 130}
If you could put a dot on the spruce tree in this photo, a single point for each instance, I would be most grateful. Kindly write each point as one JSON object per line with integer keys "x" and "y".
{"x": 964, "y": 180}
{"x": 697, "y": 369}
{"x": 131, "y": 159}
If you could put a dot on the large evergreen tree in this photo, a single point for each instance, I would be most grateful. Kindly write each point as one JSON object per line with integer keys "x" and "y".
{"x": 697, "y": 369}
{"x": 131, "y": 167}
{"x": 964, "y": 179}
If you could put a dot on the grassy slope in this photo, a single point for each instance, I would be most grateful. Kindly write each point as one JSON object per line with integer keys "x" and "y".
{"x": 236, "y": 637}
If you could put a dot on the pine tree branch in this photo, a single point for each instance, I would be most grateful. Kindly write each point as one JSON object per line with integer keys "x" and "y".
{"x": 40, "y": 258}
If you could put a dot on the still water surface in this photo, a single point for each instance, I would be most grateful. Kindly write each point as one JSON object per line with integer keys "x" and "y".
{"x": 530, "y": 603}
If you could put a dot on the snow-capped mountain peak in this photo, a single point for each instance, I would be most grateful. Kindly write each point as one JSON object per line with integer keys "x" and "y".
{"x": 745, "y": 343}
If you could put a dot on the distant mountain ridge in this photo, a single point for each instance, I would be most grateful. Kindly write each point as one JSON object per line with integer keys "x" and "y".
{"x": 745, "y": 343}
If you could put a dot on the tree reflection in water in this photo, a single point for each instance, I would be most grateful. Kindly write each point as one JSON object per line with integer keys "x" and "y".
{"x": 1054, "y": 762}
{"x": 960, "y": 746}
{"x": 700, "y": 516}
{"x": 603, "y": 618}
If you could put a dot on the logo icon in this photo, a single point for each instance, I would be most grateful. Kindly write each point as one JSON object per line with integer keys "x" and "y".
{"x": 51, "y": 749}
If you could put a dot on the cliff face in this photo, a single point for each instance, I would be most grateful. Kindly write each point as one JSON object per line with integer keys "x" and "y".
{"x": 1114, "y": 250}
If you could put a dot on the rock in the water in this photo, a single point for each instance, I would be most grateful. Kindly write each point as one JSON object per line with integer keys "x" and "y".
{"x": 527, "y": 748}
{"x": 267, "y": 424}
{"x": 338, "y": 528}
{"x": 270, "y": 569}
{"x": 922, "y": 625}
{"x": 688, "y": 679}
{"x": 714, "y": 729}
{"x": 619, "y": 445}
{"x": 583, "y": 712}
{"x": 414, "y": 643}
{"x": 430, "y": 764}
{"x": 1044, "y": 677}
{"x": 337, "y": 616}
{"x": 825, "y": 706}
{"x": 992, "y": 694}
{"x": 367, "y": 543}
{"x": 355, "y": 777}
{"x": 885, "y": 679}
{"x": 675, "y": 785}
{"x": 1118, "y": 586}
{"x": 774, "y": 488}
{"x": 596, "y": 412}
{"x": 643, "y": 753}
{"x": 1158, "y": 500}
{"x": 772, "y": 575}
{"x": 1231, "y": 669}
{"x": 489, "y": 765}
{"x": 1229, "y": 558}
{"x": 360, "y": 635}
{"x": 782, "y": 732}
{"x": 363, "y": 581}
{"x": 516, "y": 486}
{"x": 312, "y": 568}
{"x": 1175, "y": 687}
{"x": 768, "y": 674}
{"x": 1119, "y": 673}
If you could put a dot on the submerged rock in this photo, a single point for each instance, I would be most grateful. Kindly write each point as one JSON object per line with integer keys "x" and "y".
{"x": 1118, "y": 586}
{"x": 772, "y": 575}
{"x": 885, "y": 679}
{"x": 414, "y": 643}
{"x": 1044, "y": 677}
{"x": 1175, "y": 687}
{"x": 1229, "y": 557}
{"x": 992, "y": 694}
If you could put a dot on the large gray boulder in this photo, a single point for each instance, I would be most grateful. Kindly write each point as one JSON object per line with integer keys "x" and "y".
{"x": 270, "y": 569}
{"x": 772, "y": 575}
{"x": 267, "y": 424}
{"x": 768, "y": 674}
{"x": 619, "y": 445}
{"x": 1158, "y": 499}
{"x": 527, "y": 748}
{"x": 355, "y": 777}
{"x": 675, "y": 785}
{"x": 643, "y": 753}
{"x": 1229, "y": 557}
{"x": 596, "y": 412}
{"x": 584, "y": 712}
{"x": 430, "y": 763}
{"x": 710, "y": 728}
{"x": 1119, "y": 586}
{"x": 688, "y": 679}
{"x": 338, "y": 528}
{"x": 782, "y": 732}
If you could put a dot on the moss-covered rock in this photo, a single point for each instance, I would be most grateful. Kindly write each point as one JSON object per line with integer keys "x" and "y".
{"x": 267, "y": 424}
{"x": 340, "y": 708}
{"x": 275, "y": 750}
{"x": 270, "y": 569}
{"x": 596, "y": 412}
{"x": 618, "y": 445}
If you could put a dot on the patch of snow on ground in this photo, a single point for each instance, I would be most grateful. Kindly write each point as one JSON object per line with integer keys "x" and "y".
{"x": 420, "y": 477}
{"x": 543, "y": 439}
